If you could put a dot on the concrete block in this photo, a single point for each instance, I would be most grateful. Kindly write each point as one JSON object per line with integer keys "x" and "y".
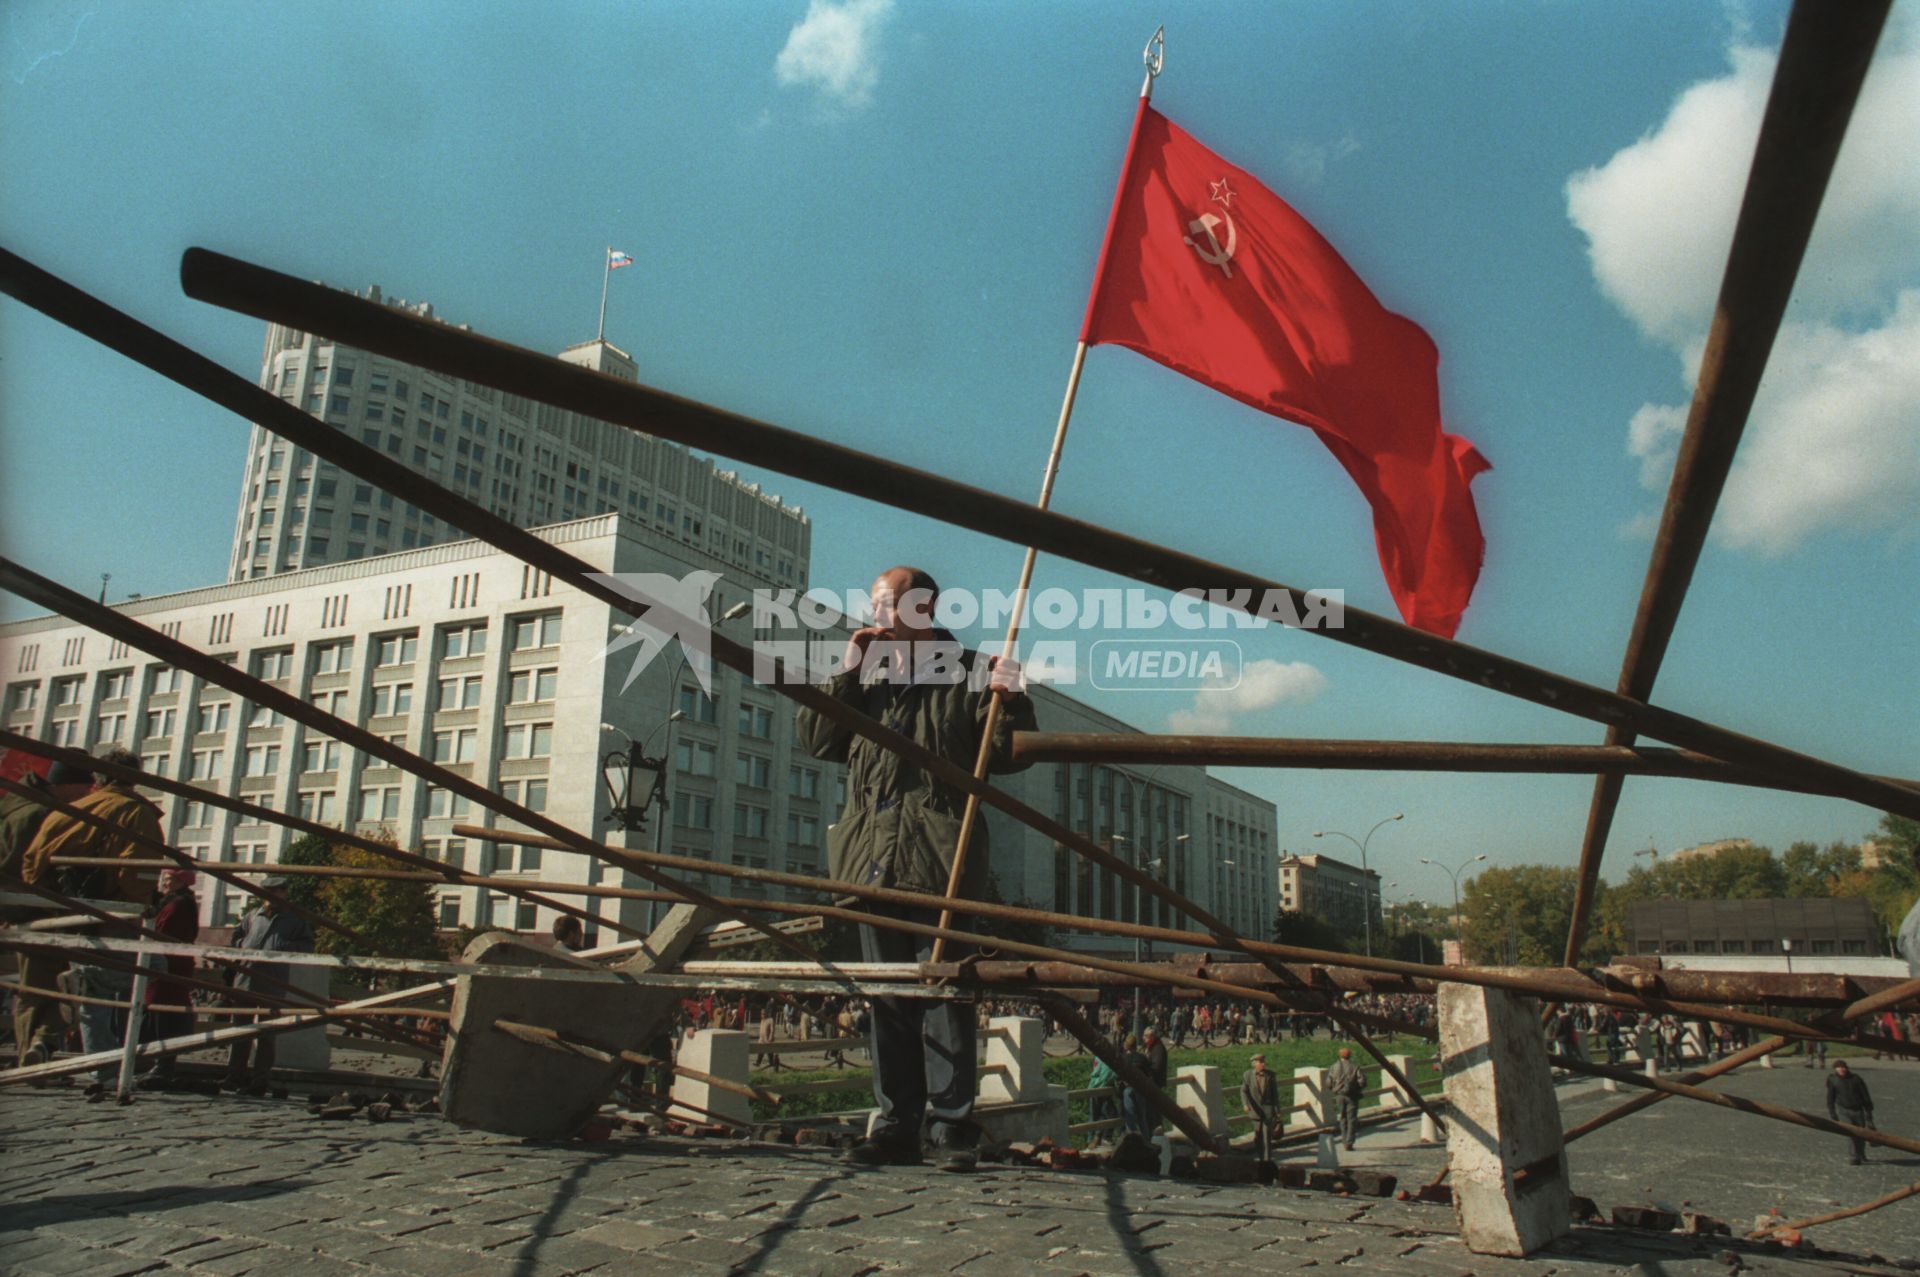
{"x": 1310, "y": 1089}
{"x": 306, "y": 1048}
{"x": 1196, "y": 1088}
{"x": 1016, "y": 1061}
{"x": 498, "y": 1083}
{"x": 1504, "y": 1148}
{"x": 722, "y": 1053}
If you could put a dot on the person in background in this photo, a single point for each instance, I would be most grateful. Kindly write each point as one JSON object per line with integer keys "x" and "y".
{"x": 1849, "y": 1101}
{"x": 1134, "y": 1107}
{"x": 175, "y": 915}
{"x": 1103, "y": 1108}
{"x": 124, "y": 817}
{"x": 38, "y": 1025}
{"x": 1260, "y": 1096}
{"x": 1345, "y": 1082}
{"x": 568, "y": 934}
{"x": 271, "y": 928}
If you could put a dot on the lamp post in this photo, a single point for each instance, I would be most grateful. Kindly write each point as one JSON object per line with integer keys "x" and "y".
{"x": 1139, "y": 993}
{"x": 1459, "y": 923}
{"x": 1366, "y": 905}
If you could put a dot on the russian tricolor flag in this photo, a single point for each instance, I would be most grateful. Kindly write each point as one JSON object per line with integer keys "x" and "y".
{"x": 616, "y": 259}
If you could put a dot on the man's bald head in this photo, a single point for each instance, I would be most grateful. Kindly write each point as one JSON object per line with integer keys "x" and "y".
{"x": 903, "y": 601}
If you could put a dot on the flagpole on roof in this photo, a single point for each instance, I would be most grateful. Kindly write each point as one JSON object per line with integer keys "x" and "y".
{"x": 606, "y": 273}
{"x": 1154, "y": 56}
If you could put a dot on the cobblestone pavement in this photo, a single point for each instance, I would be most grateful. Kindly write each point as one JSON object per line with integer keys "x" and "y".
{"x": 227, "y": 1187}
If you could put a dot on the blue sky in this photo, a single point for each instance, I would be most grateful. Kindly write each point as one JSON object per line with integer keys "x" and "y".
{"x": 876, "y": 222}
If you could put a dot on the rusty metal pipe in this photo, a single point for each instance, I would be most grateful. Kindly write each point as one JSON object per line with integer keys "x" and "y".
{"x": 1374, "y": 755}
{"x": 1823, "y": 60}
{"x": 267, "y": 294}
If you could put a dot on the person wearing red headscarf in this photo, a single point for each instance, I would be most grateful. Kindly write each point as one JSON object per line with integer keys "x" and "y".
{"x": 176, "y": 915}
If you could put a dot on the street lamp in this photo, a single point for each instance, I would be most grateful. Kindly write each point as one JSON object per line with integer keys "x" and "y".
{"x": 1139, "y": 992}
{"x": 1459, "y": 924}
{"x": 1366, "y": 908}
{"x": 628, "y": 795}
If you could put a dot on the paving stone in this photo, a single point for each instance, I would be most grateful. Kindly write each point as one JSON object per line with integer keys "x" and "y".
{"x": 630, "y": 1236}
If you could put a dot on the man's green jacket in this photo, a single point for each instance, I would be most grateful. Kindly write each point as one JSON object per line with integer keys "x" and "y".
{"x": 901, "y": 826}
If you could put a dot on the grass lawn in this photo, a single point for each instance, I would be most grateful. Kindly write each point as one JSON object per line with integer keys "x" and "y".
{"x": 1072, "y": 1072}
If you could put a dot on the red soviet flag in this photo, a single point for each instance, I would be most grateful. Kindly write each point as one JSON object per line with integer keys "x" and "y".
{"x": 1213, "y": 275}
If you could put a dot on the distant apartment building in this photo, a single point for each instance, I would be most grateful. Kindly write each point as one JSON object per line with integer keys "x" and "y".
{"x": 1342, "y": 895}
{"x": 528, "y": 463}
{"x": 1713, "y": 848}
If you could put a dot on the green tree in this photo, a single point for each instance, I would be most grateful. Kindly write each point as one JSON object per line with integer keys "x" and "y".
{"x": 396, "y": 917}
{"x": 305, "y": 889}
{"x": 1290, "y": 926}
{"x": 1521, "y": 914}
{"x": 1811, "y": 873}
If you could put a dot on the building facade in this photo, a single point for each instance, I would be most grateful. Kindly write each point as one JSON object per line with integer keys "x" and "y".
{"x": 1816, "y": 927}
{"x": 1345, "y": 896}
{"x": 531, "y": 464}
{"x": 467, "y": 656}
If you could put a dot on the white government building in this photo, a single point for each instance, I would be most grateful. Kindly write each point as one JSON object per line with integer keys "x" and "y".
{"x": 364, "y": 607}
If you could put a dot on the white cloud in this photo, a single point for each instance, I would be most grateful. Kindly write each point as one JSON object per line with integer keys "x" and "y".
{"x": 1833, "y": 440}
{"x": 1263, "y": 684}
{"x": 834, "y": 49}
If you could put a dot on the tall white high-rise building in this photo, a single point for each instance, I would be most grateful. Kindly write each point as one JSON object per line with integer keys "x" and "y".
{"x": 527, "y": 463}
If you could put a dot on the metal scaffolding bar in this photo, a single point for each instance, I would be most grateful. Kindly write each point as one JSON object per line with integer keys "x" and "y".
{"x": 1823, "y": 60}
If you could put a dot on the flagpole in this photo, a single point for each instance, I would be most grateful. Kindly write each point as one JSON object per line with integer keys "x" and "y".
{"x": 1154, "y": 57}
{"x": 606, "y": 273}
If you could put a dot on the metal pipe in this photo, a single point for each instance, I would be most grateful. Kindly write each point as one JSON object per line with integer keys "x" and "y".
{"x": 267, "y": 294}
{"x": 1823, "y": 60}
{"x": 1398, "y": 755}
{"x": 1739, "y": 1103}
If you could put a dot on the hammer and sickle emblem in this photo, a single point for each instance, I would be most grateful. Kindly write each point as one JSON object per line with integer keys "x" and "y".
{"x": 1214, "y": 254}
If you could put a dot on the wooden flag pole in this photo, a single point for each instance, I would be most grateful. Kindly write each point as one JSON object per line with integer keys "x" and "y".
{"x": 1154, "y": 57}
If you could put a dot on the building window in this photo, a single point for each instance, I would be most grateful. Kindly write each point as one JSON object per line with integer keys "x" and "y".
{"x": 382, "y": 803}
{"x": 529, "y": 632}
{"x": 459, "y": 692}
{"x": 459, "y": 745}
{"x": 320, "y": 756}
{"x": 752, "y": 769}
{"x": 164, "y": 679}
{"x": 698, "y": 708}
{"x": 463, "y": 640}
{"x": 114, "y": 686}
{"x": 694, "y": 758}
{"x": 395, "y": 649}
{"x": 208, "y": 763}
{"x": 527, "y": 740}
{"x": 263, "y": 760}
{"x": 443, "y": 804}
{"x": 531, "y": 794}
{"x": 392, "y": 698}
{"x": 333, "y": 702}
{"x": 66, "y": 691}
{"x": 316, "y": 805}
{"x": 803, "y": 831}
{"x": 213, "y": 717}
{"x": 530, "y": 686}
{"x": 803, "y": 782}
{"x": 756, "y": 721}
{"x": 333, "y": 657}
{"x": 693, "y": 811}
{"x": 159, "y": 722}
{"x": 749, "y": 821}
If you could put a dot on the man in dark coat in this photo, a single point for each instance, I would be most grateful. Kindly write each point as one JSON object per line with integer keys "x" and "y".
{"x": 1849, "y": 1101}
{"x": 900, "y": 829}
{"x": 1260, "y": 1097}
{"x": 270, "y": 929}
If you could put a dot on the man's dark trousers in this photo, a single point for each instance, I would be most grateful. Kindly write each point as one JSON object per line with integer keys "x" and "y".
{"x": 923, "y": 1062}
{"x": 1855, "y": 1117}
